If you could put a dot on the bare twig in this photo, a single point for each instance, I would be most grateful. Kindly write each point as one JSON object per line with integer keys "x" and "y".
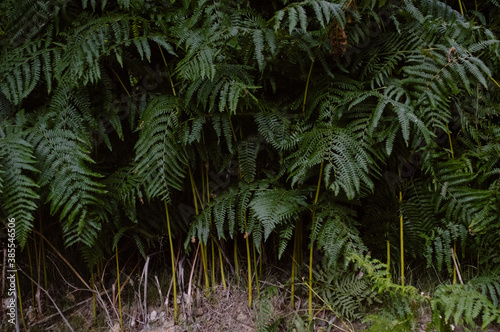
{"x": 103, "y": 305}
{"x": 47, "y": 318}
{"x": 189, "y": 304}
{"x": 50, "y": 298}
{"x": 172, "y": 281}
{"x": 37, "y": 296}
{"x": 62, "y": 257}
{"x": 456, "y": 266}
{"x": 144, "y": 275}
{"x": 159, "y": 290}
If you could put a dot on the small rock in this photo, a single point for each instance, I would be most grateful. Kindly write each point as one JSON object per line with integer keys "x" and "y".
{"x": 115, "y": 328}
{"x": 241, "y": 317}
{"x": 153, "y": 316}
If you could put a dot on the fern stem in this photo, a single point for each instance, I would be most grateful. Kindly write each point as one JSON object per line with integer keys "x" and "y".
{"x": 168, "y": 73}
{"x": 401, "y": 241}
{"x": 31, "y": 270}
{"x": 119, "y": 290}
{"x": 388, "y": 257}
{"x": 249, "y": 265}
{"x": 38, "y": 270}
{"x": 43, "y": 259}
{"x": 222, "y": 268}
{"x": 213, "y": 263}
{"x": 94, "y": 312}
{"x": 495, "y": 81}
{"x": 312, "y": 243}
{"x": 451, "y": 144}
{"x": 20, "y": 301}
{"x": 292, "y": 300}
{"x": 62, "y": 258}
{"x": 256, "y": 270}
{"x": 296, "y": 257}
{"x": 236, "y": 263}
{"x": 172, "y": 259}
{"x": 453, "y": 250}
{"x": 205, "y": 266}
{"x": 261, "y": 258}
{"x": 307, "y": 86}
{"x": 462, "y": 6}
{"x": 202, "y": 245}
{"x": 123, "y": 85}
{"x": 332, "y": 310}
{"x": 207, "y": 187}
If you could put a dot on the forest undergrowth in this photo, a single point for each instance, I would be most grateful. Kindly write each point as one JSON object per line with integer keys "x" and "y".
{"x": 270, "y": 165}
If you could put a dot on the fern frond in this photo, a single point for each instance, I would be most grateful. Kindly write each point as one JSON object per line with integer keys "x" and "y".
{"x": 338, "y": 237}
{"x": 17, "y": 187}
{"x": 271, "y": 207}
{"x": 277, "y": 130}
{"x": 161, "y": 159}
{"x": 463, "y": 303}
{"x": 247, "y": 157}
{"x": 345, "y": 292}
{"x": 73, "y": 189}
{"x": 350, "y": 162}
{"x": 324, "y": 11}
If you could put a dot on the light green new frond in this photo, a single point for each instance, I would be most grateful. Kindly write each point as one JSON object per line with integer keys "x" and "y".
{"x": 161, "y": 159}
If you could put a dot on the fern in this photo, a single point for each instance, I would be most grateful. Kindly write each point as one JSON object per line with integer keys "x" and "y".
{"x": 161, "y": 160}
{"x": 336, "y": 235}
{"x": 73, "y": 189}
{"x": 98, "y": 38}
{"x": 277, "y": 130}
{"x": 20, "y": 75}
{"x": 247, "y": 157}
{"x": 345, "y": 292}
{"x": 462, "y": 303}
{"x": 324, "y": 12}
{"x": 489, "y": 286}
{"x": 272, "y": 207}
{"x": 349, "y": 160}
{"x": 17, "y": 187}
{"x": 388, "y": 96}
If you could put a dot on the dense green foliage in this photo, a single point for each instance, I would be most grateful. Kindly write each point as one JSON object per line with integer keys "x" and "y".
{"x": 109, "y": 108}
